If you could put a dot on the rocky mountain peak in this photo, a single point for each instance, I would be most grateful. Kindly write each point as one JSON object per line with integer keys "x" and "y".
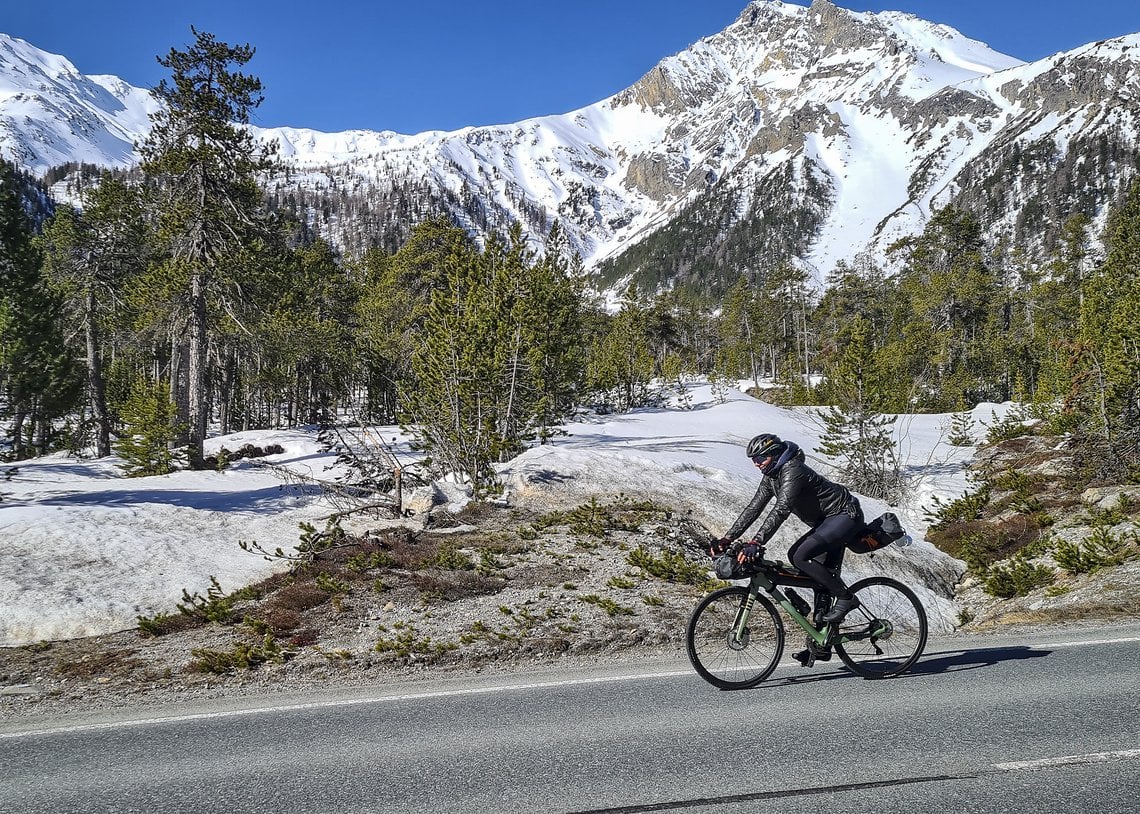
{"x": 830, "y": 133}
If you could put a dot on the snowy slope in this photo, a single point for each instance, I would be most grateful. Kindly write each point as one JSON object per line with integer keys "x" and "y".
{"x": 84, "y": 550}
{"x": 51, "y": 114}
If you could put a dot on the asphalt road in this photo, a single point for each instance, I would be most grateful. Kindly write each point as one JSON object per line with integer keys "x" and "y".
{"x": 1045, "y": 724}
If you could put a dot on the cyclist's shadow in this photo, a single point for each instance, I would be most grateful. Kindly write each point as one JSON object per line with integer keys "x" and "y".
{"x": 952, "y": 661}
{"x": 947, "y": 661}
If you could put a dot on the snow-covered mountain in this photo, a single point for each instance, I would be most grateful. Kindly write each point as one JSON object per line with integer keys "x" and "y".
{"x": 816, "y": 133}
{"x": 51, "y": 114}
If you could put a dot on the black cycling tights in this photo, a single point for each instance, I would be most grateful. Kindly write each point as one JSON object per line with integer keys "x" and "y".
{"x": 821, "y": 550}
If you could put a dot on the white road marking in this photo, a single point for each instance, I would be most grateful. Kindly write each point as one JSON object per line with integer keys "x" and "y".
{"x": 347, "y": 702}
{"x": 1068, "y": 760}
{"x": 420, "y": 696}
{"x": 1093, "y": 641}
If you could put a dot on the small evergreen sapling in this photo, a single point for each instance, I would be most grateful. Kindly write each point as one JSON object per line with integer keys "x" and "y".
{"x": 145, "y": 446}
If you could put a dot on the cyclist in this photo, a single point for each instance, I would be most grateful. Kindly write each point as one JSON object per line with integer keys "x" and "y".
{"x": 830, "y": 511}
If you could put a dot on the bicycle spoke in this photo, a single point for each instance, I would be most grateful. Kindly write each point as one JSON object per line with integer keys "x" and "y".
{"x": 886, "y": 634}
{"x": 719, "y": 655}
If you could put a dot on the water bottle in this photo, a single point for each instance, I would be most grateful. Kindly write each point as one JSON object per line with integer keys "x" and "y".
{"x": 798, "y": 602}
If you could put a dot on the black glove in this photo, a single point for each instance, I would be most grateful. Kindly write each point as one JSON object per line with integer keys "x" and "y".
{"x": 718, "y": 547}
{"x": 750, "y": 553}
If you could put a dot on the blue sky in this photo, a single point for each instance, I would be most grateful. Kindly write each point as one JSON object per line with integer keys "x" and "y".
{"x": 412, "y": 66}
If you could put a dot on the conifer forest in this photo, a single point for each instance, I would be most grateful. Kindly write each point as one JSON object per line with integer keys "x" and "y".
{"x": 178, "y": 301}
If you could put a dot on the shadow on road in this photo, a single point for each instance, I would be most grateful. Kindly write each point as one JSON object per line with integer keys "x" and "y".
{"x": 951, "y": 661}
{"x": 948, "y": 661}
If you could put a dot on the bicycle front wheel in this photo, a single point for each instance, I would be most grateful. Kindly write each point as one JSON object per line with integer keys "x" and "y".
{"x": 886, "y": 634}
{"x": 730, "y": 655}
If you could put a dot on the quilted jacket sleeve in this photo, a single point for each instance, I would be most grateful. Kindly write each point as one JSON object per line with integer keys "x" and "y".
{"x": 790, "y": 481}
{"x": 752, "y": 510}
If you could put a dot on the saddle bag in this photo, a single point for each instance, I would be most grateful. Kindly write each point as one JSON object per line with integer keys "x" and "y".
{"x": 879, "y": 533}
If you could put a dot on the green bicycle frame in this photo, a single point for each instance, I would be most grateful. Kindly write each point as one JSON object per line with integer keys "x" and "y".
{"x": 761, "y": 582}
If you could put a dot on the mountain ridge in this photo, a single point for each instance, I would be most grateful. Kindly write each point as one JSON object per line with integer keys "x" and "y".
{"x": 853, "y": 125}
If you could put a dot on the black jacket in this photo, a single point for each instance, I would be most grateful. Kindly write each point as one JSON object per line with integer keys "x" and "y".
{"x": 798, "y": 490}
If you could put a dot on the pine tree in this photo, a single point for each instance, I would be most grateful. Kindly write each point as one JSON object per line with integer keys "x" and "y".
{"x": 949, "y": 314}
{"x": 1058, "y": 298}
{"x": 961, "y": 430}
{"x": 552, "y": 322}
{"x": 89, "y": 255}
{"x": 456, "y": 371}
{"x": 149, "y": 432}
{"x": 740, "y": 348}
{"x": 1106, "y": 390}
{"x": 304, "y": 332}
{"x": 39, "y": 380}
{"x": 620, "y": 365}
{"x": 204, "y": 165}
{"x": 393, "y": 305}
{"x": 855, "y": 433}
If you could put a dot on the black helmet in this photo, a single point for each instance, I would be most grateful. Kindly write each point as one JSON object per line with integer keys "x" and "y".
{"x": 764, "y": 445}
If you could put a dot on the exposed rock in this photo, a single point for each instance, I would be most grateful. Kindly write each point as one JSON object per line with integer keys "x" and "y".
{"x": 1107, "y": 498}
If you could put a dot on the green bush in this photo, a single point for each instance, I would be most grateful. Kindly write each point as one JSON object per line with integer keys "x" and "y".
{"x": 623, "y": 583}
{"x": 145, "y": 446}
{"x": 671, "y": 566}
{"x": 450, "y": 558}
{"x": 1101, "y": 549}
{"x": 330, "y": 584}
{"x": 1010, "y": 427}
{"x": 407, "y": 642}
{"x": 1019, "y": 578}
{"x": 370, "y": 561}
{"x": 595, "y": 519}
{"x": 608, "y": 605}
{"x": 963, "y": 510}
{"x": 216, "y": 605}
{"x": 243, "y": 657}
{"x": 961, "y": 430}
{"x": 164, "y": 623}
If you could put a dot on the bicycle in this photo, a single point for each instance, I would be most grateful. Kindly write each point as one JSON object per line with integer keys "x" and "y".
{"x": 735, "y": 636}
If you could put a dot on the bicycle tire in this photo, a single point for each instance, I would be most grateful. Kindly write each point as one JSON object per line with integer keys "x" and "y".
{"x": 890, "y": 629}
{"x": 722, "y": 661}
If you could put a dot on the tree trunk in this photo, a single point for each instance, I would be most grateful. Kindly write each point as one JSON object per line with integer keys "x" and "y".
{"x": 199, "y": 400}
{"x": 96, "y": 386}
{"x": 18, "y": 432}
{"x": 178, "y": 387}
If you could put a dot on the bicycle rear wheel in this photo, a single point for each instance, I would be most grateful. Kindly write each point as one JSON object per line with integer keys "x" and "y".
{"x": 721, "y": 657}
{"x": 886, "y": 634}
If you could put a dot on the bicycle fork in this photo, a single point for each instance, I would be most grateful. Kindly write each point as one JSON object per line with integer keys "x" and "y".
{"x": 739, "y": 633}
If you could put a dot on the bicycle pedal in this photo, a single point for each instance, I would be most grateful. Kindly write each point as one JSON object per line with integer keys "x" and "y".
{"x": 806, "y": 658}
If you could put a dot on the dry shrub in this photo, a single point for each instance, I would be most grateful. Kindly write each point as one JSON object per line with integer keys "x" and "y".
{"x": 1016, "y": 533}
{"x": 281, "y": 620}
{"x": 414, "y": 553}
{"x": 165, "y": 623}
{"x": 453, "y": 585}
{"x": 981, "y": 543}
{"x": 300, "y": 596}
{"x": 98, "y": 664}
{"x": 950, "y": 537}
{"x": 475, "y": 511}
{"x": 271, "y": 583}
{"x": 1023, "y": 443}
{"x": 405, "y": 548}
{"x": 499, "y": 543}
{"x": 303, "y": 637}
